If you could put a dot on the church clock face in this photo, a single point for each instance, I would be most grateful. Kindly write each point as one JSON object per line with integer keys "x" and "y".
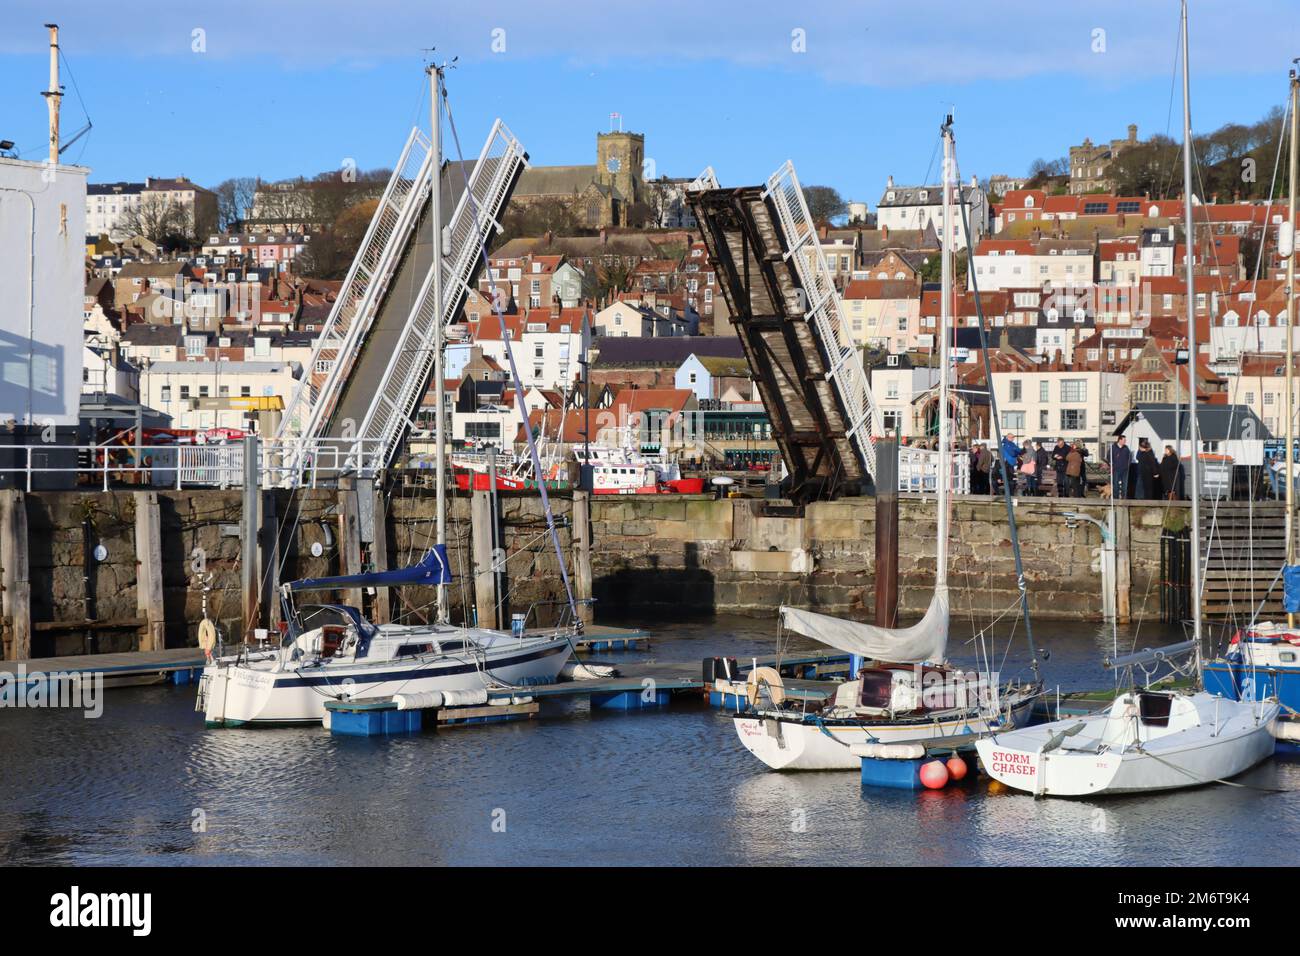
{"x": 613, "y": 164}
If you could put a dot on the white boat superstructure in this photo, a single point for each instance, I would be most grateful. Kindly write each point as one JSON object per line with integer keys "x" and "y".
{"x": 1147, "y": 740}
{"x": 885, "y": 705}
{"x": 348, "y": 658}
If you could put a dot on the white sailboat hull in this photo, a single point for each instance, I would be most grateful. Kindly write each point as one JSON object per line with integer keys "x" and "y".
{"x": 788, "y": 743}
{"x": 235, "y": 695}
{"x": 1213, "y": 739}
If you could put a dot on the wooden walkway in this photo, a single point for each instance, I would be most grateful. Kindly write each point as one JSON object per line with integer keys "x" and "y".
{"x": 123, "y": 669}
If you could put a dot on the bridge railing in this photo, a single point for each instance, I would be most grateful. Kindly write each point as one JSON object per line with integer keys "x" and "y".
{"x": 476, "y": 218}
{"x": 283, "y": 463}
{"x": 822, "y": 311}
{"x": 340, "y": 338}
{"x": 918, "y": 471}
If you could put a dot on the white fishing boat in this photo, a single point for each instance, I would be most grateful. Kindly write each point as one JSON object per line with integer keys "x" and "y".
{"x": 906, "y": 691}
{"x": 331, "y": 652}
{"x": 1150, "y": 739}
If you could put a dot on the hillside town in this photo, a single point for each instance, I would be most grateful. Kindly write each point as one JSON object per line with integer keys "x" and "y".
{"x": 1080, "y": 288}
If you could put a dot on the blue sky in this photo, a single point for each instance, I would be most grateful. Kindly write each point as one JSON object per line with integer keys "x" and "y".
{"x": 852, "y": 92}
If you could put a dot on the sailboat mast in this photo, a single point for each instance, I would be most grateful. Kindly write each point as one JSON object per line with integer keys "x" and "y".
{"x": 1290, "y": 337}
{"x": 945, "y": 317}
{"x": 1193, "y": 430}
{"x": 435, "y": 227}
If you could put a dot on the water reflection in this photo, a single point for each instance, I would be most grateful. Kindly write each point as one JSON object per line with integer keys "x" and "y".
{"x": 651, "y": 788}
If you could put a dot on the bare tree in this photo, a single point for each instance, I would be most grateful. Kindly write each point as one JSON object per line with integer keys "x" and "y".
{"x": 235, "y": 200}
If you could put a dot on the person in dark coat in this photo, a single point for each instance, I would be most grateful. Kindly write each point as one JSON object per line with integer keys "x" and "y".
{"x": 1171, "y": 475}
{"x": 1059, "y": 452}
{"x": 1010, "y": 461}
{"x": 1120, "y": 459}
{"x": 1148, "y": 469}
{"x": 1042, "y": 458}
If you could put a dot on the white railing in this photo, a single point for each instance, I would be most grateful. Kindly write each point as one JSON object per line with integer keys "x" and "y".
{"x": 918, "y": 471}
{"x": 284, "y": 463}
{"x": 358, "y": 303}
{"x": 822, "y": 310}
{"x": 398, "y": 392}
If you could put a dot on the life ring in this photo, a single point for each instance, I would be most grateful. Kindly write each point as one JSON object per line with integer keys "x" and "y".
{"x": 769, "y": 676}
{"x": 207, "y": 637}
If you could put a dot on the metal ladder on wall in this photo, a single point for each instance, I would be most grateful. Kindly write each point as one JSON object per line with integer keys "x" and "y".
{"x": 823, "y": 313}
{"x": 406, "y": 376}
{"x": 339, "y": 339}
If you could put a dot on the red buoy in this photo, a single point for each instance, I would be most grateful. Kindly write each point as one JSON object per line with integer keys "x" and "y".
{"x": 934, "y": 775}
{"x": 956, "y": 767}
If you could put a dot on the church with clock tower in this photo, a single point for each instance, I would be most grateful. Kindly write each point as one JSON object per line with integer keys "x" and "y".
{"x": 599, "y": 195}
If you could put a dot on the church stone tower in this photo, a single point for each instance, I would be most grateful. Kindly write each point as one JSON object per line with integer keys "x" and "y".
{"x": 619, "y": 158}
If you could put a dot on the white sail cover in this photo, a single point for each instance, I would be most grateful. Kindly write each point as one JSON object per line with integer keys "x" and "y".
{"x": 923, "y": 641}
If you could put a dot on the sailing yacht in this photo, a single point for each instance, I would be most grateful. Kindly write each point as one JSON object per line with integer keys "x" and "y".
{"x": 330, "y": 651}
{"x": 1149, "y": 739}
{"x": 1263, "y": 660}
{"x": 907, "y": 692}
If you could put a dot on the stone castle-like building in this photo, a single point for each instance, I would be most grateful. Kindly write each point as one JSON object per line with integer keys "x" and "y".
{"x": 599, "y": 195}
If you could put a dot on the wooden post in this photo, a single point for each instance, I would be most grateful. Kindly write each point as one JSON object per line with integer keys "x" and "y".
{"x": 886, "y": 481}
{"x": 382, "y": 612}
{"x": 250, "y": 580}
{"x": 582, "y": 554}
{"x": 271, "y": 545}
{"x": 148, "y": 577}
{"x": 1123, "y": 564}
{"x": 482, "y": 524}
{"x": 17, "y": 580}
{"x": 350, "y": 536}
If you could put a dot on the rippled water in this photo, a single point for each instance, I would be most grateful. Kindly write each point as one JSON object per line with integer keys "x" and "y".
{"x": 575, "y": 787}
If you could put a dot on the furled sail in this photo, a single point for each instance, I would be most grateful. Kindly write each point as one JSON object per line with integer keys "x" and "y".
{"x": 923, "y": 641}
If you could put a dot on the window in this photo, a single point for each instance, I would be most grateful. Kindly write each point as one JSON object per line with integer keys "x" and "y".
{"x": 245, "y": 391}
{"x": 1074, "y": 390}
{"x": 166, "y": 393}
{"x": 1074, "y": 419}
{"x": 203, "y": 391}
{"x": 1042, "y": 391}
{"x": 891, "y": 391}
{"x": 185, "y": 392}
{"x": 1013, "y": 421}
{"x": 1043, "y": 423}
{"x": 323, "y": 366}
{"x": 1016, "y": 390}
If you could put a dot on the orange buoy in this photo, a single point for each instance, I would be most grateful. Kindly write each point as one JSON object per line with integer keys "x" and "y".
{"x": 934, "y": 775}
{"x": 956, "y": 767}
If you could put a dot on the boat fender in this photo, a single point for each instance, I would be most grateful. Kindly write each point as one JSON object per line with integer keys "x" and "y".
{"x": 470, "y": 697}
{"x": 207, "y": 637}
{"x": 888, "y": 751}
{"x": 419, "y": 701}
{"x": 770, "y": 677}
{"x": 934, "y": 775}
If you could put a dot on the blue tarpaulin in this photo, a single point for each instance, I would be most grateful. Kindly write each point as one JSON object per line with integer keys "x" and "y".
{"x": 432, "y": 569}
{"x": 1291, "y": 588}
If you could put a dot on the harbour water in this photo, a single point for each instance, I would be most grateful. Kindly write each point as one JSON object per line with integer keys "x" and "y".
{"x": 147, "y": 784}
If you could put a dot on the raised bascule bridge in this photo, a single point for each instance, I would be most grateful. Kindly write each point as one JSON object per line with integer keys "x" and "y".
{"x": 378, "y": 343}
{"x": 773, "y": 274}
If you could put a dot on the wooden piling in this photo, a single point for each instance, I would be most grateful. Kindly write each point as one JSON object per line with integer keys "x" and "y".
{"x": 16, "y": 577}
{"x": 149, "y": 578}
{"x": 382, "y": 612}
{"x": 886, "y": 481}
{"x": 250, "y": 579}
{"x": 349, "y": 537}
{"x": 270, "y": 559}
{"x": 482, "y": 522}
{"x": 582, "y": 554}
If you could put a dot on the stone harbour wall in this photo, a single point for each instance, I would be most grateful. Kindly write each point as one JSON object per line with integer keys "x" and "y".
{"x": 657, "y": 557}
